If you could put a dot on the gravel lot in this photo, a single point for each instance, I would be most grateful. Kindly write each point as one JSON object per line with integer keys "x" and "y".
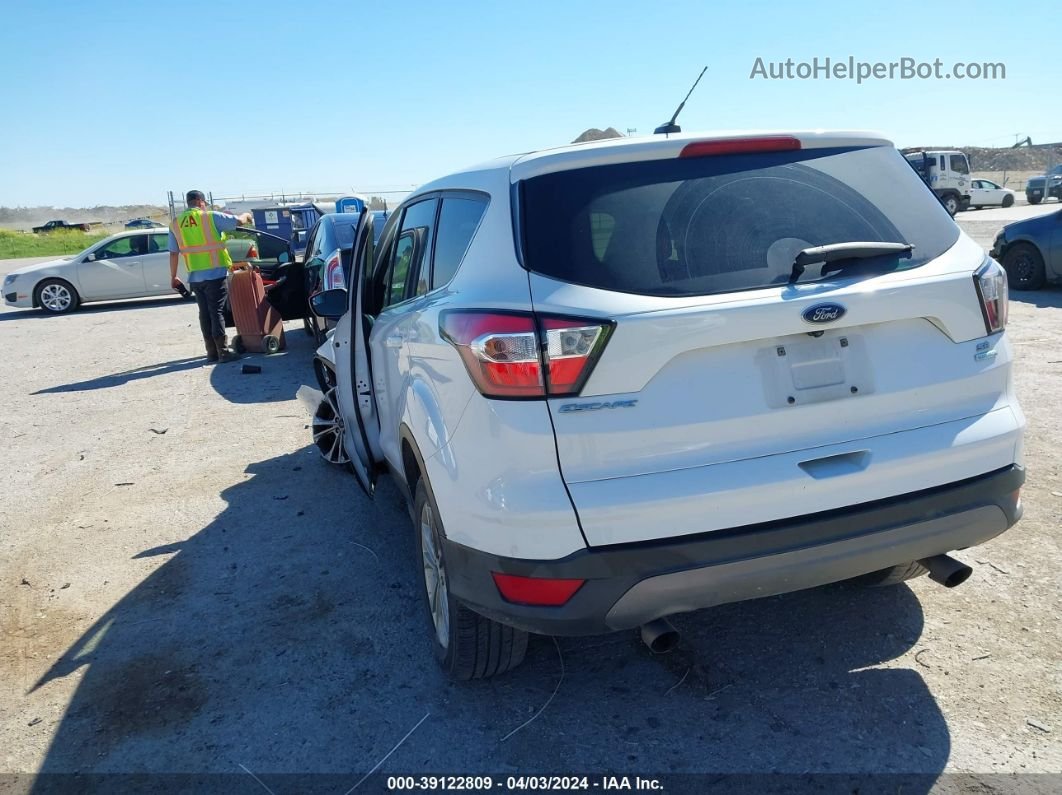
{"x": 186, "y": 587}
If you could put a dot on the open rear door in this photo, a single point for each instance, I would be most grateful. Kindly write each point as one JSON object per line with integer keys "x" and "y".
{"x": 354, "y": 391}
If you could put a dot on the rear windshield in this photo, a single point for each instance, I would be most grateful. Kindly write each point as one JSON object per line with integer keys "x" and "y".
{"x": 698, "y": 226}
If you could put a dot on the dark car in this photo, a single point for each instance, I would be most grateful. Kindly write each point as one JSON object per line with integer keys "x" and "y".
{"x": 327, "y": 257}
{"x": 1031, "y": 251}
{"x": 1045, "y": 186}
{"x": 142, "y": 223}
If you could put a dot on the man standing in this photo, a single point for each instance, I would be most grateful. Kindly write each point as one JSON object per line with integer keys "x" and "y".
{"x": 198, "y": 234}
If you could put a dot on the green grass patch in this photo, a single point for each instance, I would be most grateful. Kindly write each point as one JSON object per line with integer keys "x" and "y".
{"x": 24, "y": 244}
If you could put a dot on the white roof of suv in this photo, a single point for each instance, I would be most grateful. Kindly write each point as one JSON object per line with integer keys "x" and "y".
{"x": 655, "y": 147}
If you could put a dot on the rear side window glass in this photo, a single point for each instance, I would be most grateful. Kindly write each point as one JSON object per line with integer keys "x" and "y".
{"x": 458, "y": 221}
{"x": 159, "y": 243}
{"x": 414, "y": 237}
{"x": 699, "y": 226}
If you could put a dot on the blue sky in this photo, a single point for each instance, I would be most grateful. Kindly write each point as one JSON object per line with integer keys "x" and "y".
{"x": 116, "y": 102}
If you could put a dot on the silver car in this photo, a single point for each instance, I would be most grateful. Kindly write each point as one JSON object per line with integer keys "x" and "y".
{"x": 133, "y": 264}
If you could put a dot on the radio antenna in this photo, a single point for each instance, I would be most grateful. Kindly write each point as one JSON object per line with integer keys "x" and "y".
{"x": 671, "y": 127}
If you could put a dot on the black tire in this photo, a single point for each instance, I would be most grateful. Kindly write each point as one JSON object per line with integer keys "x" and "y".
{"x": 893, "y": 575}
{"x": 1031, "y": 200}
{"x": 270, "y": 344}
{"x": 1025, "y": 267}
{"x": 1008, "y": 200}
{"x": 237, "y": 344}
{"x": 312, "y": 326}
{"x": 475, "y": 647}
{"x": 56, "y": 297}
{"x": 951, "y": 203}
{"x": 326, "y": 377}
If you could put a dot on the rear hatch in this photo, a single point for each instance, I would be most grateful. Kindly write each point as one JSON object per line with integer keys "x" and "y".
{"x": 725, "y": 395}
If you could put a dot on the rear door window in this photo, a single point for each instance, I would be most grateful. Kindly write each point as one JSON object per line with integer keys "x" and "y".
{"x": 409, "y": 266}
{"x": 699, "y": 226}
{"x": 458, "y": 221}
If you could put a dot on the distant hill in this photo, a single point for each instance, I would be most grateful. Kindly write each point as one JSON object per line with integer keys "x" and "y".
{"x": 594, "y": 134}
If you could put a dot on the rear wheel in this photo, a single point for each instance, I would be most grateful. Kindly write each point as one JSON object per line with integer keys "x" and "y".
{"x": 466, "y": 644}
{"x": 1025, "y": 267}
{"x": 893, "y": 575}
{"x": 1034, "y": 199}
{"x": 237, "y": 344}
{"x": 270, "y": 344}
{"x": 57, "y": 297}
{"x": 1008, "y": 200}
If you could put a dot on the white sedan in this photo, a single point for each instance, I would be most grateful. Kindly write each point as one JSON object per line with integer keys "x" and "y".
{"x": 134, "y": 264}
{"x": 985, "y": 193}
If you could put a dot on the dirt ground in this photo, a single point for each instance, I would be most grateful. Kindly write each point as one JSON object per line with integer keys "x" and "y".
{"x": 185, "y": 587}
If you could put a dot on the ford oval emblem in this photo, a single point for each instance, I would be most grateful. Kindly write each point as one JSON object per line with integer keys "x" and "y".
{"x": 823, "y": 313}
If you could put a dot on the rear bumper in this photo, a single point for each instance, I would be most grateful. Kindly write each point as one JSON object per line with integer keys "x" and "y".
{"x": 630, "y": 584}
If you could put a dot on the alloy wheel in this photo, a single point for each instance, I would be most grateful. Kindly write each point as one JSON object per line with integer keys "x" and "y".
{"x": 434, "y": 577}
{"x": 328, "y": 430}
{"x": 56, "y": 298}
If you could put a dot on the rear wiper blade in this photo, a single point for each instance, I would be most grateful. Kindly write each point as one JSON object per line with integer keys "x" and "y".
{"x": 841, "y": 253}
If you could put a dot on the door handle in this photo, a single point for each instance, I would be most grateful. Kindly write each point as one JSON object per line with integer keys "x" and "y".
{"x": 833, "y": 465}
{"x": 394, "y": 341}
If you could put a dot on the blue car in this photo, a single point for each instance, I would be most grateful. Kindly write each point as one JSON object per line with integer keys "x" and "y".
{"x": 1031, "y": 251}
{"x": 142, "y": 223}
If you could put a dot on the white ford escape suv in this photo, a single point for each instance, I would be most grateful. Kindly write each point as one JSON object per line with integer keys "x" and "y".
{"x": 628, "y": 379}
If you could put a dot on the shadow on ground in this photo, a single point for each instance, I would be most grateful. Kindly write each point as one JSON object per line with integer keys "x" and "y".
{"x": 1049, "y": 296}
{"x": 300, "y": 645}
{"x": 91, "y": 309}
{"x": 280, "y": 377}
{"x": 124, "y": 377}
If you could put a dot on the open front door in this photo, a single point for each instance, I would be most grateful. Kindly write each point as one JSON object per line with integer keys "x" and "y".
{"x": 354, "y": 390}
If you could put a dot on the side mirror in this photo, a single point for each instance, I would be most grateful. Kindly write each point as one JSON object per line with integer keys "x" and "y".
{"x": 91, "y": 257}
{"x": 330, "y": 304}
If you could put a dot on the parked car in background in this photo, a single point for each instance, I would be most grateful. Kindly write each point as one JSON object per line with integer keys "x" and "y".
{"x": 142, "y": 223}
{"x": 986, "y": 193}
{"x": 59, "y": 226}
{"x": 1031, "y": 251}
{"x": 1044, "y": 187}
{"x": 638, "y": 377}
{"x": 137, "y": 265}
{"x": 327, "y": 258}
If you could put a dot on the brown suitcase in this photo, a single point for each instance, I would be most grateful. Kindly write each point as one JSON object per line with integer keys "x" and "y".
{"x": 259, "y": 326}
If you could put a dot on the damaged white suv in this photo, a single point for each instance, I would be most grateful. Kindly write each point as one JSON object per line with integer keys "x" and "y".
{"x": 628, "y": 379}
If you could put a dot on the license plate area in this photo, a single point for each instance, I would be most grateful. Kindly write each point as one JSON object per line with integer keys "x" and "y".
{"x": 800, "y": 370}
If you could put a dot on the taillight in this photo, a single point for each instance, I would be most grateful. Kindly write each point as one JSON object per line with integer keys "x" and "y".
{"x": 741, "y": 146}
{"x": 520, "y": 355}
{"x": 991, "y": 283}
{"x": 252, "y": 252}
{"x": 334, "y": 278}
{"x": 541, "y": 591}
